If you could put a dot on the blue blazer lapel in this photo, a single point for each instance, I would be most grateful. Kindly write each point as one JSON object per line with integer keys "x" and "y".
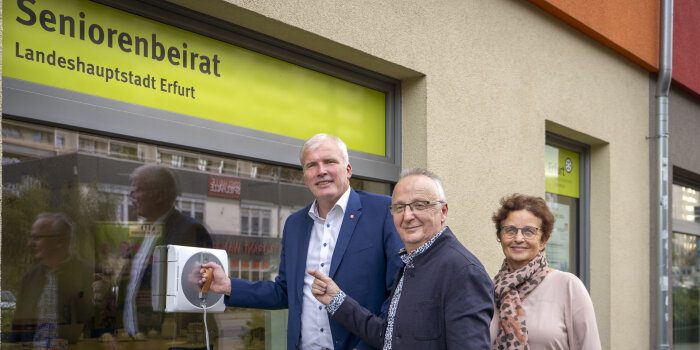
{"x": 350, "y": 219}
{"x": 302, "y": 250}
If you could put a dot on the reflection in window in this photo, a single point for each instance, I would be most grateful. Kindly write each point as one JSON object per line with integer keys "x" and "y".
{"x": 42, "y": 137}
{"x": 264, "y": 171}
{"x": 190, "y": 162}
{"x": 255, "y": 220}
{"x": 88, "y": 181}
{"x": 202, "y": 165}
{"x": 10, "y": 132}
{"x": 685, "y": 266}
{"x": 87, "y": 145}
{"x": 686, "y": 291}
{"x": 124, "y": 151}
{"x": 191, "y": 207}
{"x": 9, "y": 160}
{"x": 292, "y": 176}
{"x": 177, "y": 160}
{"x": 686, "y": 203}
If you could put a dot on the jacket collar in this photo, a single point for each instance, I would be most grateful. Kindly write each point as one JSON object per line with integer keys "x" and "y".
{"x": 352, "y": 215}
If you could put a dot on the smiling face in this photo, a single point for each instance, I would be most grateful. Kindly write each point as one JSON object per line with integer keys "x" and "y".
{"x": 326, "y": 174}
{"x": 518, "y": 250}
{"x": 418, "y": 227}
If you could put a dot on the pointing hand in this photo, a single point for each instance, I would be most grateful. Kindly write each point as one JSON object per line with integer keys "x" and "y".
{"x": 323, "y": 288}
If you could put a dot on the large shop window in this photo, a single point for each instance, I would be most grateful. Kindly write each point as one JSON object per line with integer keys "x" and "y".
{"x": 685, "y": 266}
{"x": 566, "y": 184}
{"x": 86, "y": 178}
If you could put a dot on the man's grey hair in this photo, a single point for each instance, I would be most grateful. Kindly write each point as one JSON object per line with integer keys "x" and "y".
{"x": 158, "y": 178}
{"x": 316, "y": 141}
{"x": 61, "y": 225}
{"x": 429, "y": 174}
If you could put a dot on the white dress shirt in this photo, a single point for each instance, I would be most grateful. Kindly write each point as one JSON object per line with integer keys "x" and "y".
{"x": 315, "y": 327}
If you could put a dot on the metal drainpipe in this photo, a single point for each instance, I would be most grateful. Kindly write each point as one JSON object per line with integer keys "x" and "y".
{"x": 663, "y": 85}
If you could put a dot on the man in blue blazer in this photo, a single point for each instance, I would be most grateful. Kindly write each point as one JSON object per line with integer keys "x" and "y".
{"x": 348, "y": 234}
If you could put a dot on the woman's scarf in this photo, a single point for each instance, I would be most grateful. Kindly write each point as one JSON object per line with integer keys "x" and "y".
{"x": 512, "y": 287}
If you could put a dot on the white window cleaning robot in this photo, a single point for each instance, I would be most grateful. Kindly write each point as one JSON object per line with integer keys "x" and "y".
{"x": 175, "y": 280}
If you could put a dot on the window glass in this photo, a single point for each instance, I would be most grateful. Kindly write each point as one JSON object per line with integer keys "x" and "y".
{"x": 562, "y": 176}
{"x": 59, "y": 142}
{"x": 685, "y": 266}
{"x": 686, "y": 203}
{"x": 562, "y": 248}
{"x": 686, "y": 291}
{"x": 123, "y": 150}
{"x": 48, "y": 277}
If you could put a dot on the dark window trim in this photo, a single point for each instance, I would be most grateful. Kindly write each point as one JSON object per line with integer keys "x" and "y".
{"x": 685, "y": 177}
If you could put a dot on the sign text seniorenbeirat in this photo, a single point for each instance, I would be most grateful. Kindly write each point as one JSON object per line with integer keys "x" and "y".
{"x": 140, "y": 46}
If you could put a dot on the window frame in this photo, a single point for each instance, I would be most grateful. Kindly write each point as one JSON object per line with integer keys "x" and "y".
{"x": 583, "y": 238}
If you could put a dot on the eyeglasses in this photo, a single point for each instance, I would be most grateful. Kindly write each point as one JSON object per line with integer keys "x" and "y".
{"x": 511, "y": 231}
{"x": 415, "y": 206}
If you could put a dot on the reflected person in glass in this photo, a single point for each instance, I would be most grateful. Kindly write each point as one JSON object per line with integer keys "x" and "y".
{"x": 537, "y": 307}
{"x": 154, "y": 193}
{"x": 55, "y": 298}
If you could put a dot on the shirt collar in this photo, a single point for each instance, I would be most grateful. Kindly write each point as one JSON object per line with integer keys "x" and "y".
{"x": 342, "y": 203}
{"x": 408, "y": 258}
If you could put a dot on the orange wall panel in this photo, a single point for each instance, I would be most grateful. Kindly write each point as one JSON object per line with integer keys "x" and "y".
{"x": 686, "y": 45}
{"x": 630, "y": 27}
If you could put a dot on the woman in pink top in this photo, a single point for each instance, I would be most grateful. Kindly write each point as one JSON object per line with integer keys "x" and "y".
{"x": 536, "y": 307}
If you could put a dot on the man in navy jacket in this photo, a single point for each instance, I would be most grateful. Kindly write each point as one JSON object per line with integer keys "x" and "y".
{"x": 347, "y": 234}
{"x": 154, "y": 193}
{"x": 442, "y": 297}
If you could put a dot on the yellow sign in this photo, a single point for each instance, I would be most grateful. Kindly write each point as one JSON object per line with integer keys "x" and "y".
{"x": 561, "y": 170}
{"x": 94, "y": 49}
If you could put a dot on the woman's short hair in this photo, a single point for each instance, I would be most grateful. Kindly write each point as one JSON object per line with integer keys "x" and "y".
{"x": 535, "y": 205}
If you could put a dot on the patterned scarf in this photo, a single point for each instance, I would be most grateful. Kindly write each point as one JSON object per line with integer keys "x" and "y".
{"x": 512, "y": 287}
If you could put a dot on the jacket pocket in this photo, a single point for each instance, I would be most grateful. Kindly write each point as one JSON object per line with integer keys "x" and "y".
{"x": 429, "y": 319}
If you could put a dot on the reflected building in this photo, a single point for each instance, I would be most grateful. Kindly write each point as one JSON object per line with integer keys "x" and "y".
{"x": 685, "y": 269}
{"x": 242, "y": 203}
